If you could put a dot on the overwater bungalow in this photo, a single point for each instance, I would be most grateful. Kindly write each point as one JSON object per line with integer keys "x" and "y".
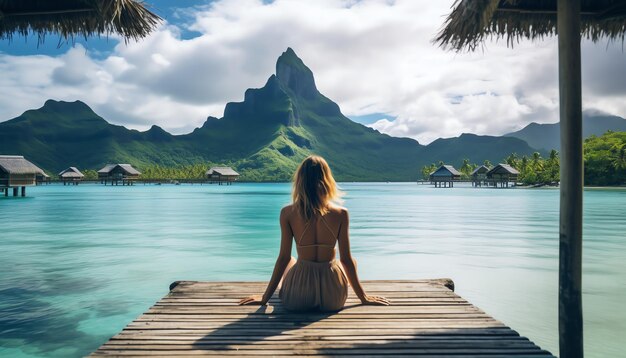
{"x": 42, "y": 178}
{"x": 17, "y": 172}
{"x": 479, "y": 176}
{"x": 71, "y": 176}
{"x": 118, "y": 173}
{"x": 445, "y": 176}
{"x": 502, "y": 174}
{"x": 222, "y": 175}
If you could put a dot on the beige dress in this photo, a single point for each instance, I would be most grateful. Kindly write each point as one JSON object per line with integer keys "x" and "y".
{"x": 314, "y": 286}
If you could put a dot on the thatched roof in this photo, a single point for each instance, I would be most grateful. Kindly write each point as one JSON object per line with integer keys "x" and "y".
{"x": 71, "y": 172}
{"x": 446, "y": 170}
{"x": 70, "y": 18}
{"x": 107, "y": 168}
{"x": 225, "y": 171}
{"x": 480, "y": 170}
{"x": 473, "y": 21}
{"x": 127, "y": 168}
{"x": 503, "y": 169}
{"x": 16, "y": 164}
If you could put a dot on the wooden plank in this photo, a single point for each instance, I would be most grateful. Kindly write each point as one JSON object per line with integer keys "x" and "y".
{"x": 426, "y": 319}
{"x": 259, "y": 286}
{"x": 328, "y": 351}
{"x": 231, "y": 300}
{"x": 255, "y": 340}
{"x": 261, "y": 283}
{"x": 510, "y": 346}
{"x": 330, "y": 335}
{"x": 277, "y": 327}
{"x": 356, "y": 319}
{"x": 436, "y": 343}
{"x": 351, "y": 295}
{"x": 535, "y": 355}
{"x": 432, "y": 289}
{"x": 308, "y": 332}
{"x": 277, "y": 310}
{"x": 354, "y": 303}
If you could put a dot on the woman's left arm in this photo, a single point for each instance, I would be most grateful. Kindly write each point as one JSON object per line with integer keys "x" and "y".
{"x": 284, "y": 257}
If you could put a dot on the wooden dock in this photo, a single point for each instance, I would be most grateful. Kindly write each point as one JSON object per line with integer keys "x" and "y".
{"x": 426, "y": 319}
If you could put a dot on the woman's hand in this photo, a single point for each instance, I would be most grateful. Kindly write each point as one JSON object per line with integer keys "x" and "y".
{"x": 375, "y": 301}
{"x": 253, "y": 300}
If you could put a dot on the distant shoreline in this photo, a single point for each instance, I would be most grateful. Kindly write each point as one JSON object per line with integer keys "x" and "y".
{"x": 185, "y": 181}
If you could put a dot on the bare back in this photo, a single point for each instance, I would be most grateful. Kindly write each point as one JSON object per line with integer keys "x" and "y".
{"x": 316, "y": 239}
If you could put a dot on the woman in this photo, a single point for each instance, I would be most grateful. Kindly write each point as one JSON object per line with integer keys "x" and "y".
{"x": 316, "y": 281}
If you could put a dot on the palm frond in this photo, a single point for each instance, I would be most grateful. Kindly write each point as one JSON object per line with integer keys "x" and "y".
{"x": 471, "y": 22}
{"x": 130, "y": 19}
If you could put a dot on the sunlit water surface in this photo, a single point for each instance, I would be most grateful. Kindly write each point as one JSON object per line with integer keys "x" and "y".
{"x": 78, "y": 263}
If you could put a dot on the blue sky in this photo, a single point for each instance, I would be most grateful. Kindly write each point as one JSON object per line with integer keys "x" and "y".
{"x": 375, "y": 58}
{"x": 100, "y": 47}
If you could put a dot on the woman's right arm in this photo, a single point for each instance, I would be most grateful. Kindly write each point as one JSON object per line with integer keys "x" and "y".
{"x": 349, "y": 263}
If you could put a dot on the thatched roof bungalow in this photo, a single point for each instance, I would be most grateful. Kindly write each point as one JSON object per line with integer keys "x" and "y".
{"x": 124, "y": 173}
{"x": 444, "y": 176}
{"x": 42, "y": 178}
{"x": 445, "y": 172}
{"x": 479, "y": 176}
{"x": 502, "y": 174}
{"x": 503, "y": 171}
{"x": 15, "y": 171}
{"x": 72, "y": 175}
{"x": 480, "y": 172}
{"x": 222, "y": 174}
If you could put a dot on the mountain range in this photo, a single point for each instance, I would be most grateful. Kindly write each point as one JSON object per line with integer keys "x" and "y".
{"x": 264, "y": 137}
{"x": 547, "y": 137}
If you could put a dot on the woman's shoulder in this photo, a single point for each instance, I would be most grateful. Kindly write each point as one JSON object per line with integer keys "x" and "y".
{"x": 287, "y": 209}
{"x": 337, "y": 210}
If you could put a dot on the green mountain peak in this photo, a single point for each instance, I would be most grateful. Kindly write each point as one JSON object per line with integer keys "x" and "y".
{"x": 264, "y": 137}
{"x": 292, "y": 73}
{"x": 64, "y": 106}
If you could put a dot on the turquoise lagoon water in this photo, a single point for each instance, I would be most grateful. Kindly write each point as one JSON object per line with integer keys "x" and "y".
{"x": 78, "y": 263}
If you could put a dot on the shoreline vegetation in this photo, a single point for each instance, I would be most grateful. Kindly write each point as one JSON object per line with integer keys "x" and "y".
{"x": 604, "y": 158}
{"x": 605, "y": 166}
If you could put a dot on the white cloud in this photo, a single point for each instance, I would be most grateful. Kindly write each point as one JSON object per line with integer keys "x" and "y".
{"x": 370, "y": 56}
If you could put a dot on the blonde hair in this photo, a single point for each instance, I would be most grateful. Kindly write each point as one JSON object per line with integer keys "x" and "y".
{"x": 314, "y": 187}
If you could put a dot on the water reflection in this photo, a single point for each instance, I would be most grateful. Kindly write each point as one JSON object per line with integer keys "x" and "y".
{"x": 83, "y": 261}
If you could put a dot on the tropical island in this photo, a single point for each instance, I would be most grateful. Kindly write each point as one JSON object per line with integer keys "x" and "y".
{"x": 266, "y": 135}
{"x": 604, "y": 156}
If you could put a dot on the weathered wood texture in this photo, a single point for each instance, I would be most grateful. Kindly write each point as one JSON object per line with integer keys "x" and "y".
{"x": 426, "y": 319}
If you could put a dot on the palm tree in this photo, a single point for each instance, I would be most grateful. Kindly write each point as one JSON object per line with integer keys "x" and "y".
{"x": 537, "y": 162}
{"x": 427, "y": 169}
{"x": 466, "y": 168}
{"x": 620, "y": 159}
{"x": 524, "y": 164}
{"x": 512, "y": 160}
{"x": 553, "y": 166}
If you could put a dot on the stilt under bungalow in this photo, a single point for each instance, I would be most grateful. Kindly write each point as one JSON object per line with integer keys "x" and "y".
{"x": 17, "y": 173}
{"x": 221, "y": 175}
{"x": 125, "y": 174}
{"x": 445, "y": 176}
